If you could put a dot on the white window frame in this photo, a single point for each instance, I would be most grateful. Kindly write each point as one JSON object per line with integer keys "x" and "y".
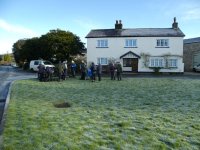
{"x": 102, "y": 60}
{"x": 130, "y": 43}
{"x": 162, "y": 43}
{"x": 172, "y": 63}
{"x": 156, "y": 62}
{"x": 102, "y": 43}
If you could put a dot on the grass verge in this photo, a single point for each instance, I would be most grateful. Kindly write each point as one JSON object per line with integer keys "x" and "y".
{"x": 136, "y": 113}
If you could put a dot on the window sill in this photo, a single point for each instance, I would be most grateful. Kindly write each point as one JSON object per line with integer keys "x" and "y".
{"x": 102, "y": 47}
{"x": 131, "y": 47}
{"x": 162, "y": 47}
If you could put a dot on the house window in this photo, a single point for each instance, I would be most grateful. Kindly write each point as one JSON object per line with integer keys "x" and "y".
{"x": 102, "y": 43}
{"x": 102, "y": 61}
{"x": 162, "y": 43}
{"x": 130, "y": 43}
{"x": 172, "y": 62}
{"x": 156, "y": 62}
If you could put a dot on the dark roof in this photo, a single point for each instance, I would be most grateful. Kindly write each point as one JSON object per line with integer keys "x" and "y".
{"x": 192, "y": 40}
{"x": 130, "y": 52}
{"x": 137, "y": 32}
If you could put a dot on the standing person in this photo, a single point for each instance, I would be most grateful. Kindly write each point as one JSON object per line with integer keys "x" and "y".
{"x": 60, "y": 70}
{"x": 89, "y": 74}
{"x": 73, "y": 69}
{"x": 83, "y": 70}
{"x": 93, "y": 71}
{"x": 119, "y": 71}
{"x": 64, "y": 70}
{"x": 112, "y": 71}
{"x": 99, "y": 71}
{"x": 41, "y": 70}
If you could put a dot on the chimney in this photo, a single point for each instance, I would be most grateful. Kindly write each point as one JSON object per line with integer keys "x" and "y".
{"x": 118, "y": 24}
{"x": 175, "y": 24}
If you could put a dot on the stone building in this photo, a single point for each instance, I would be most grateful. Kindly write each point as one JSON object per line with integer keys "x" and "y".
{"x": 191, "y": 53}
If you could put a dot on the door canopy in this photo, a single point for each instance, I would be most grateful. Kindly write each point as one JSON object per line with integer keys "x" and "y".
{"x": 129, "y": 54}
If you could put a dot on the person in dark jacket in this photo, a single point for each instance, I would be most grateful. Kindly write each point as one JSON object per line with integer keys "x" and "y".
{"x": 112, "y": 71}
{"x": 41, "y": 72}
{"x": 119, "y": 71}
{"x": 93, "y": 71}
{"x": 83, "y": 70}
{"x": 99, "y": 71}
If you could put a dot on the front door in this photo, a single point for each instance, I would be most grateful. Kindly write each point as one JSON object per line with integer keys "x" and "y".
{"x": 134, "y": 64}
{"x": 131, "y": 63}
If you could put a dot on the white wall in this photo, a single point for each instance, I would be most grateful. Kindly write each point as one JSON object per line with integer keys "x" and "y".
{"x": 147, "y": 45}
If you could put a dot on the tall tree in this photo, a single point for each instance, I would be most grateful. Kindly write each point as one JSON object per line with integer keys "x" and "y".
{"x": 55, "y": 45}
{"x": 61, "y": 44}
{"x": 18, "y": 51}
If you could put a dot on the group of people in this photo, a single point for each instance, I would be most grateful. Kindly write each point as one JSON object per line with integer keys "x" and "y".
{"x": 96, "y": 70}
{"x": 92, "y": 72}
{"x": 45, "y": 74}
{"x": 116, "y": 71}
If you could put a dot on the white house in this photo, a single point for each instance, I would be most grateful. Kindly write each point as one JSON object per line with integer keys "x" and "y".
{"x": 138, "y": 49}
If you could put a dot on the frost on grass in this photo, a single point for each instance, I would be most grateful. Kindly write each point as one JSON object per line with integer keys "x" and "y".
{"x": 130, "y": 114}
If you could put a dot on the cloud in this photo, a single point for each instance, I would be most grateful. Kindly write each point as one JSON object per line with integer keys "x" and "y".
{"x": 16, "y": 29}
{"x": 191, "y": 14}
{"x": 6, "y": 45}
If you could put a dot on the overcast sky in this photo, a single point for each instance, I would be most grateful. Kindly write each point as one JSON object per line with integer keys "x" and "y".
{"x": 21, "y": 19}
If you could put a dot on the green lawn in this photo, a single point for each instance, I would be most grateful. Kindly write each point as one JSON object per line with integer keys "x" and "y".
{"x": 135, "y": 113}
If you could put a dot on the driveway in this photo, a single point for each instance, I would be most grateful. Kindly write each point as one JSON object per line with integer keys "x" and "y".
{"x": 9, "y": 74}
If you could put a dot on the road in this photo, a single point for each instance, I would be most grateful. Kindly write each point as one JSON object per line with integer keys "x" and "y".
{"x": 9, "y": 74}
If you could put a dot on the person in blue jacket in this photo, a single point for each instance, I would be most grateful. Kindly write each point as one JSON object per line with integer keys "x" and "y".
{"x": 73, "y": 69}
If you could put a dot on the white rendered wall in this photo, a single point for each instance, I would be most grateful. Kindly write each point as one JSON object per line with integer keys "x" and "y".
{"x": 147, "y": 45}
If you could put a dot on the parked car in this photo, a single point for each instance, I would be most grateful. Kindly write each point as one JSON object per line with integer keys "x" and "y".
{"x": 35, "y": 63}
{"x": 196, "y": 68}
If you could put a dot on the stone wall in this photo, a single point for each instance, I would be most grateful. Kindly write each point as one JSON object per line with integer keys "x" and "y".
{"x": 188, "y": 52}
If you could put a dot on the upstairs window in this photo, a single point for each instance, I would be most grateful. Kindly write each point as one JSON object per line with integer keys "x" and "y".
{"x": 130, "y": 43}
{"x": 102, "y": 43}
{"x": 162, "y": 43}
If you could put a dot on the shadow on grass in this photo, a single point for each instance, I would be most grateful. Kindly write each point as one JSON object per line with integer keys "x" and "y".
{"x": 62, "y": 104}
